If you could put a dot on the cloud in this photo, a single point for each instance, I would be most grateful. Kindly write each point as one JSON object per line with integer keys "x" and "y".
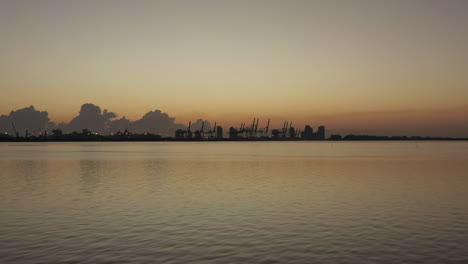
{"x": 156, "y": 122}
{"x": 5, "y": 124}
{"x": 91, "y": 117}
{"x": 121, "y": 125}
{"x": 198, "y": 124}
{"x": 425, "y": 122}
{"x": 27, "y": 118}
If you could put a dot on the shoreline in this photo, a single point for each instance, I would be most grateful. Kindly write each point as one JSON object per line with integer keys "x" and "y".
{"x": 12, "y": 140}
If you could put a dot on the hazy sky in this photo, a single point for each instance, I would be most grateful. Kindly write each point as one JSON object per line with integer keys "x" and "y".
{"x": 390, "y": 65}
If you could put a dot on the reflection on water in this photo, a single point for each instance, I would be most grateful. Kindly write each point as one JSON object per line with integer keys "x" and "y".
{"x": 270, "y": 202}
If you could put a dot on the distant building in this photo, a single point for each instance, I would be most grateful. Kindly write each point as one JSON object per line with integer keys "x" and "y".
{"x": 57, "y": 132}
{"x": 179, "y": 133}
{"x": 321, "y": 132}
{"x": 233, "y": 133}
{"x": 336, "y": 137}
{"x": 308, "y": 132}
{"x": 85, "y": 132}
{"x": 292, "y": 132}
{"x": 275, "y": 134}
{"x": 189, "y": 134}
{"x": 198, "y": 135}
{"x": 219, "y": 132}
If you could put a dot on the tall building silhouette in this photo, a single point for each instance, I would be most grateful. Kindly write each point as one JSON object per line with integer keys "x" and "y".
{"x": 219, "y": 132}
{"x": 308, "y": 132}
{"x": 321, "y": 132}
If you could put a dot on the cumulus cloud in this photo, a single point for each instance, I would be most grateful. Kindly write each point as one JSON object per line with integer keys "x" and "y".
{"x": 91, "y": 117}
{"x": 198, "y": 124}
{"x": 156, "y": 122}
{"x": 121, "y": 125}
{"x": 24, "y": 119}
{"x": 5, "y": 124}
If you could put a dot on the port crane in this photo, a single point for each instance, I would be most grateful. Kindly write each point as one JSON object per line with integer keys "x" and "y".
{"x": 212, "y": 132}
{"x": 14, "y": 130}
{"x": 267, "y": 128}
{"x": 199, "y": 133}
{"x": 189, "y": 133}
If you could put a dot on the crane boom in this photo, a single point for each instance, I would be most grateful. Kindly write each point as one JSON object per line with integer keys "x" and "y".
{"x": 14, "y": 129}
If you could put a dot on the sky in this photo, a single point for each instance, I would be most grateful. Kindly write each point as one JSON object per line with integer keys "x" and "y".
{"x": 372, "y": 66}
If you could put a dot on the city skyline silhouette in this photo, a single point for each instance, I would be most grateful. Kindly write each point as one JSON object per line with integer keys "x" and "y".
{"x": 33, "y": 122}
{"x": 374, "y": 67}
{"x": 233, "y": 131}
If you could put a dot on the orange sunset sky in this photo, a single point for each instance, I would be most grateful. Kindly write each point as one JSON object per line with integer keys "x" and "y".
{"x": 382, "y": 67}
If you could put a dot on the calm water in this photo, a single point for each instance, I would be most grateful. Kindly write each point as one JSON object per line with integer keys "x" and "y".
{"x": 267, "y": 202}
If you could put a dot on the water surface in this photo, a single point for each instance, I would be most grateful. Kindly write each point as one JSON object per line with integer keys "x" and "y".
{"x": 234, "y": 202}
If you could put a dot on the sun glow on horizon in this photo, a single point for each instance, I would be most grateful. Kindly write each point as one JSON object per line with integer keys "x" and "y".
{"x": 304, "y": 61}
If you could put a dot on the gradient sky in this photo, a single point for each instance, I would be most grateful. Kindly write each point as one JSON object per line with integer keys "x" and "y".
{"x": 380, "y": 66}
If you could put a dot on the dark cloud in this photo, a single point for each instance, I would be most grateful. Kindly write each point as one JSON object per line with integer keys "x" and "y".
{"x": 156, "y": 122}
{"x": 121, "y": 125}
{"x": 25, "y": 119}
{"x": 198, "y": 124}
{"x": 91, "y": 117}
{"x": 5, "y": 124}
